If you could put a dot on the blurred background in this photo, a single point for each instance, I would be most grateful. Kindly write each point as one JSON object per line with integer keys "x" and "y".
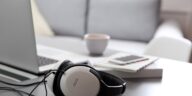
{"x": 181, "y": 10}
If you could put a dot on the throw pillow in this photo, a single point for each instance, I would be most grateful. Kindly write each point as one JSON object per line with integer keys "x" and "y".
{"x": 66, "y": 17}
{"x": 40, "y": 25}
{"x": 124, "y": 19}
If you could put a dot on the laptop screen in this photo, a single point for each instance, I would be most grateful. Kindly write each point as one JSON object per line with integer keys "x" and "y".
{"x": 17, "y": 41}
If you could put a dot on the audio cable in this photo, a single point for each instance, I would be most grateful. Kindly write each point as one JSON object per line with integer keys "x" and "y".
{"x": 20, "y": 92}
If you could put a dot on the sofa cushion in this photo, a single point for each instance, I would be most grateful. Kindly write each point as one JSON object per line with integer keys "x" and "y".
{"x": 134, "y": 47}
{"x": 66, "y": 17}
{"x": 77, "y": 45}
{"x": 124, "y": 19}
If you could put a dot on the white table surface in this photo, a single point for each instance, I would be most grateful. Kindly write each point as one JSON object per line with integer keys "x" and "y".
{"x": 172, "y": 81}
{"x": 176, "y": 81}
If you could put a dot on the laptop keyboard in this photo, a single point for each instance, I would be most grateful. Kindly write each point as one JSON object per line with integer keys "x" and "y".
{"x": 45, "y": 61}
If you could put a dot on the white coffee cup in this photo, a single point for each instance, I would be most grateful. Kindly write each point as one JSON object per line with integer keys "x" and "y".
{"x": 96, "y": 43}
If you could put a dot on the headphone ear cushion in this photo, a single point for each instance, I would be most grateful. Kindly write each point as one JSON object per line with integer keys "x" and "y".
{"x": 58, "y": 75}
{"x": 111, "y": 82}
{"x": 110, "y": 79}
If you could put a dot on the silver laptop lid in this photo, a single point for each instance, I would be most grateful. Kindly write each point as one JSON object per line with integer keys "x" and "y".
{"x": 17, "y": 41}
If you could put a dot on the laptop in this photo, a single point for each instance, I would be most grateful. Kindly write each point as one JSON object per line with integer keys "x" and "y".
{"x": 17, "y": 40}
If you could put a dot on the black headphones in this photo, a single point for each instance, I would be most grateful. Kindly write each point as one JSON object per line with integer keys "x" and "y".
{"x": 83, "y": 80}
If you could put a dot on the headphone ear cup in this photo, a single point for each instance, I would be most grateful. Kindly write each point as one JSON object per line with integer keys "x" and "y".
{"x": 80, "y": 80}
{"x": 58, "y": 75}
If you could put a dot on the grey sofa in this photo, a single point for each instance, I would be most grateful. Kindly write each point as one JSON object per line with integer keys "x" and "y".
{"x": 134, "y": 26}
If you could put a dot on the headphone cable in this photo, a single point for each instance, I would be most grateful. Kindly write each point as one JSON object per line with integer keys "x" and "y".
{"x": 46, "y": 75}
{"x": 22, "y": 85}
{"x": 15, "y": 90}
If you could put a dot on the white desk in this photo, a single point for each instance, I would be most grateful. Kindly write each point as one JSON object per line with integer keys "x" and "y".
{"x": 177, "y": 81}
